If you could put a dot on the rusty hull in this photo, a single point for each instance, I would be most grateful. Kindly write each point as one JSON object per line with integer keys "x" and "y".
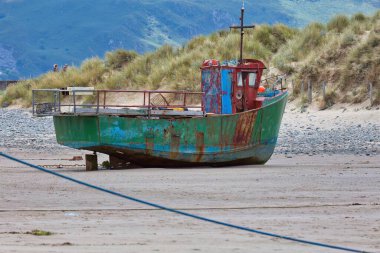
{"x": 244, "y": 138}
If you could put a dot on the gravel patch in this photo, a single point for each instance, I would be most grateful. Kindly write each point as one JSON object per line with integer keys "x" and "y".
{"x": 18, "y": 129}
{"x": 358, "y": 140}
{"x": 329, "y": 133}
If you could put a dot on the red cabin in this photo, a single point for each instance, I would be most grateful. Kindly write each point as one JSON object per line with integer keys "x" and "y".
{"x": 231, "y": 87}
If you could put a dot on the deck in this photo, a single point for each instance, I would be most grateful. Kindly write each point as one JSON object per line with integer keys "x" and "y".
{"x": 134, "y": 103}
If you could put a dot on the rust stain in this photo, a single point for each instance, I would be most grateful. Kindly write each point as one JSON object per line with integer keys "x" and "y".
{"x": 225, "y": 134}
{"x": 244, "y": 127}
{"x": 200, "y": 145}
{"x": 149, "y": 143}
{"x": 174, "y": 146}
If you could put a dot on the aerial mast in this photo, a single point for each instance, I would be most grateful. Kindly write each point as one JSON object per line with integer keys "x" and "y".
{"x": 241, "y": 27}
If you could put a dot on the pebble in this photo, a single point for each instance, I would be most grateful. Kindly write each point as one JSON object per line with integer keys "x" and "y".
{"x": 20, "y": 130}
{"x": 339, "y": 138}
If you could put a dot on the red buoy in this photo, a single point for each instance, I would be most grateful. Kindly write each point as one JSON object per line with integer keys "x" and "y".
{"x": 211, "y": 63}
{"x": 262, "y": 89}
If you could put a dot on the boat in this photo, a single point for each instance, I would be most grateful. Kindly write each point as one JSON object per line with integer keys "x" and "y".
{"x": 234, "y": 120}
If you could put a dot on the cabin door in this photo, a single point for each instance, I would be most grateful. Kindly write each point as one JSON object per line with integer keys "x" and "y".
{"x": 212, "y": 89}
{"x": 251, "y": 90}
{"x": 239, "y": 92}
{"x": 226, "y": 77}
{"x": 245, "y": 91}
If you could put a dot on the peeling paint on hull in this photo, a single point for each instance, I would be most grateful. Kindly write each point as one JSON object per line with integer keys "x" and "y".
{"x": 244, "y": 138}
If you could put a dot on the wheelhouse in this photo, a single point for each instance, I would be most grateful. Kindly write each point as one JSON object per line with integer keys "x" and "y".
{"x": 230, "y": 87}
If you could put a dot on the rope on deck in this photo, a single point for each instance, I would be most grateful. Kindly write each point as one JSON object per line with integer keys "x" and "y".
{"x": 181, "y": 212}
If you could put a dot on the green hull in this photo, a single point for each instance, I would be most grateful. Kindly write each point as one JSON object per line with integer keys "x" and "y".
{"x": 244, "y": 138}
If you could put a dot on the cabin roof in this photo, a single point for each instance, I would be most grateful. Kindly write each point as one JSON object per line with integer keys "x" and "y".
{"x": 247, "y": 64}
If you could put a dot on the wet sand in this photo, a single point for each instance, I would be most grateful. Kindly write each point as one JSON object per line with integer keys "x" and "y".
{"x": 334, "y": 199}
{"x": 322, "y": 184}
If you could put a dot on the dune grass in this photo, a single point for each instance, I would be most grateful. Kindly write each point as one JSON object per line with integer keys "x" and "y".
{"x": 345, "y": 53}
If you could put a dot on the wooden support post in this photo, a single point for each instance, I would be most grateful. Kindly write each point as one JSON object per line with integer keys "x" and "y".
{"x": 91, "y": 162}
{"x": 33, "y": 106}
{"x": 324, "y": 90}
{"x": 118, "y": 164}
{"x": 309, "y": 92}
{"x": 104, "y": 99}
{"x": 59, "y": 101}
{"x": 370, "y": 94}
{"x": 292, "y": 85}
{"x": 74, "y": 102}
{"x": 149, "y": 106}
{"x": 302, "y": 89}
{"x": 97, "y": 101}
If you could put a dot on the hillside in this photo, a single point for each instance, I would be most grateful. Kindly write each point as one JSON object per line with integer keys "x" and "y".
{"x": 345, "y": 53}
{"x": 36, "y": 34}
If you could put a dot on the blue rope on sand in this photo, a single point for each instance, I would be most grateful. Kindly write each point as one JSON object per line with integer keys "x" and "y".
{"x": 181, "y": 212}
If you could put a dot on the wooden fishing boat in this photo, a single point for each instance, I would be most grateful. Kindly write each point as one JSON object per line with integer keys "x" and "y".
{"x": 233, "y": 120}
{"x": 234, "y": 124}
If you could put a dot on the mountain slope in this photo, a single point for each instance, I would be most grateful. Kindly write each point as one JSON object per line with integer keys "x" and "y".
{"x": 344, "y": 53}
{"x": 35, "y": 34}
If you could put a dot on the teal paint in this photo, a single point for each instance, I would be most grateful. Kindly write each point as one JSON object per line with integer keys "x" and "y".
{"x": 226, "y": 77}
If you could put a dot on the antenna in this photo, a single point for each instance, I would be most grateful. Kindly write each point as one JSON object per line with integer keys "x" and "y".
{"x": 241, "y": 27}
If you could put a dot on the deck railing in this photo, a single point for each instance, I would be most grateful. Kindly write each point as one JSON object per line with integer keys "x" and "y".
{"x": 48, "y": 102}
{"x": 274, "y": 81}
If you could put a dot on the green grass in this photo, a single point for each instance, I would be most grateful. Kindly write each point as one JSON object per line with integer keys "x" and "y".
{"x": 329, "y": 100}
{"x": 118, "y": 58}
{"x": 339, "y": 23}
{"x": 38, "y": 232}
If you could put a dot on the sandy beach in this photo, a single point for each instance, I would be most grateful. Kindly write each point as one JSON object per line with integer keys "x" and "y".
{"x": 322, "y": 184}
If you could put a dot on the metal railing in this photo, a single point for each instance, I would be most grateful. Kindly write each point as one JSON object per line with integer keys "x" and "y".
{"x": 48, "y": 102}
{"x": 274, "y": 81}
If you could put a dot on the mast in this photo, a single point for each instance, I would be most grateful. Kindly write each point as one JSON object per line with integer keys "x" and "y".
{"x": 241, "y": 33}
{"x": 241, "y": 27}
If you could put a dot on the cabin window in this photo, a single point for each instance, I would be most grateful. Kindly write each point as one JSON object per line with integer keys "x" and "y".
{"x": 252, "y": 79}
{"x": 240, "y": 79}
